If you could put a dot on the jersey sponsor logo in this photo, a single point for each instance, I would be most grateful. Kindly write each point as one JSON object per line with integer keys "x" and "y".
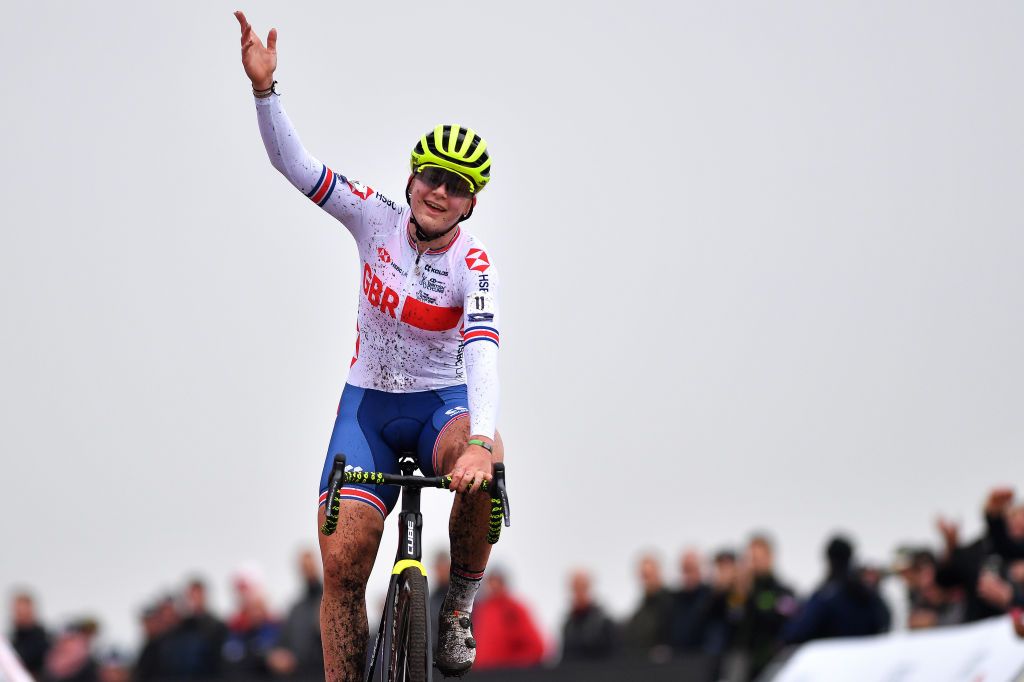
{"x": 456, "y": 410}
{"x": 398, "y": 268}
{"x": 433, "y": 284}
{"x": 377, "y": 294}
{"x": 483, "y": 282}
{"x": 435, "y": 271}
{"x": 415, "y": 313}
{"x": 359, "y": 189}
{"x": 477, "y": 260}
{"x": 383, "y": 254}
{"x": 425, "y": 297}
{"x": 459, "y": 367}
{"x": 384, "y": 200}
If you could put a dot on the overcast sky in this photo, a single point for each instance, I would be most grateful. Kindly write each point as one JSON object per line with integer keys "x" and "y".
{"x": 761, "y": 268}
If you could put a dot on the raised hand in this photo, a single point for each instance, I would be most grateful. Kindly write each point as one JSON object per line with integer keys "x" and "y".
{"x": 999, "y": 500}
{"x": 950, "y": 531}
{"x": 259, "y": 60}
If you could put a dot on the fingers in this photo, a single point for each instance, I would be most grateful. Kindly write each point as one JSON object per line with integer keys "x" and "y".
{"x": 465, "y": 481}
{"x": 246, "y": 28}
{"x": 456, "y": 480}
{"x": 247, "y": 33}
{"x": 272, "y": 40}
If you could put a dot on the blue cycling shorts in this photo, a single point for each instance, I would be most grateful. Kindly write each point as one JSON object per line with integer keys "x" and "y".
{"x": 373, "y": 427}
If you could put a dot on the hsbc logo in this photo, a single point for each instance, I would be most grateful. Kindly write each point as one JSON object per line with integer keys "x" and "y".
{"x": 359, "y": 189}
{"x": 383, "y": 254}
{"x": 477, "y": 260}
{"x": 384, "y": 200}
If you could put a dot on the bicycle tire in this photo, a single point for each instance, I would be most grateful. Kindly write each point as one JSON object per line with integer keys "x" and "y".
{"x": 408, "y": 655}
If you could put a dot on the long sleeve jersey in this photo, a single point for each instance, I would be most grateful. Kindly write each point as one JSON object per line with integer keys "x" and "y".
{"x": 425, "y": 321}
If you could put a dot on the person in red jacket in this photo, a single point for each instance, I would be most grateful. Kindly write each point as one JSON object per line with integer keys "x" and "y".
{"x": 506, "y": 634}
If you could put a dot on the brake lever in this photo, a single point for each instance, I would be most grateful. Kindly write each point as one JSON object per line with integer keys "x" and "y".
{"x": 499, "y": 483}
{"x": 336, "y": 481}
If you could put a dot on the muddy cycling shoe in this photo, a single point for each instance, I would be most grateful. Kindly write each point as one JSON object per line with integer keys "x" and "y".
{"x": 456, "y": 648}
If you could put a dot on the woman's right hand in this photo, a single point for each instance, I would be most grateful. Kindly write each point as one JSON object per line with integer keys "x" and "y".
{"x": 259, "y": 60}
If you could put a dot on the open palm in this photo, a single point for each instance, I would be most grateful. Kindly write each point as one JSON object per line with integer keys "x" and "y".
{"x": 259, "y": 60}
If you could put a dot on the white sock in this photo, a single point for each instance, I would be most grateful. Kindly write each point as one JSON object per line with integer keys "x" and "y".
{"x": 461, "y": 592}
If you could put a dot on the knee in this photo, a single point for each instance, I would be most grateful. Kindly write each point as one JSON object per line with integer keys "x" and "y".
{"x": 347, "y": 565}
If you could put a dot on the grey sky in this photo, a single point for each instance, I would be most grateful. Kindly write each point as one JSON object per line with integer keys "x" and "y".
{"x": 764, "y": 256}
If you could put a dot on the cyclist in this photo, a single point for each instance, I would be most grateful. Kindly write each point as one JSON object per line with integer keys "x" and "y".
{"x": 424, "y": 374}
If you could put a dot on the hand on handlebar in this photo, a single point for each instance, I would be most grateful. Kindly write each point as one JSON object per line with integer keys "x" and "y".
{"x": 259, "y": 60}
{"x": 472, "y": 468}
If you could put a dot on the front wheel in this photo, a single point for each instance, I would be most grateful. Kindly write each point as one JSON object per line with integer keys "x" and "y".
{"x": 408, "y": 657}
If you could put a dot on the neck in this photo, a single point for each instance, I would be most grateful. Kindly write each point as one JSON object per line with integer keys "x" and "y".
{"x": 437, "y": 243}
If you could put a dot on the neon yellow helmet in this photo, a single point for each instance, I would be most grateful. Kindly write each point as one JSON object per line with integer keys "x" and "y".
{"x": 456, "y": 149}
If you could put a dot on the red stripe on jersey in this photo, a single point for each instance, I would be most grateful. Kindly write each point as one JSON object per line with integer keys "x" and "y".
{"x": 480, "y": 333}
{"x": 432, "y": 318}
{"x": 363, "y": 496}
{"x": 319, "y": 196}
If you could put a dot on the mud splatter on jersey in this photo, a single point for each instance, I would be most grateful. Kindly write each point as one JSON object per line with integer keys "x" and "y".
{"x": 424, "y": 323}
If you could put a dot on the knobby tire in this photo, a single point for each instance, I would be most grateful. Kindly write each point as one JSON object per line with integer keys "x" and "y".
{"x": 408, "y": 656}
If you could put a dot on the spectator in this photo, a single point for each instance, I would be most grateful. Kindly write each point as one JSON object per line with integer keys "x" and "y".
{"x": 70, "y": 659}
{"x": 996, "y": 589}
{"x": 192, "y": 647}
{"x": 506, "y": 634}
{"x": 769, "y": 604}
{"x": 1005, "y": 524}
{"x": 844, "y": 606}
{"x": 157, "y": 622}
{"x": 976, "y": 568}
{"x": 299, "y": 651}
{"x": 28, "y": 636}
{"x": 930, "y": 604}
{"x": 688, "y": 603}
{"x": 587, "y": 633}
{"x": 646, "y": 633}
{"x": 441, "y": 568}
{"x": 252, "y": 631}
{"x": 723, "y": 609}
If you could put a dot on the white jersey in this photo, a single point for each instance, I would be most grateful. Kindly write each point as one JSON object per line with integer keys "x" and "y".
{"x": 426, "y": 321}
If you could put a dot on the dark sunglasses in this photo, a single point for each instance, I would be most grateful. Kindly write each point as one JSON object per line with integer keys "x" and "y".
{"x": 456, "y": 185}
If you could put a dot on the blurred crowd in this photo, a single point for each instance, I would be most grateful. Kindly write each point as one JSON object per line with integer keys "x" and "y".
{"x": 731, "y": 607}
{"x": 737, "y": 609}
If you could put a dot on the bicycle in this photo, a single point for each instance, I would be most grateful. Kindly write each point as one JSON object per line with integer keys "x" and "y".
{"x": 403, "y": 635}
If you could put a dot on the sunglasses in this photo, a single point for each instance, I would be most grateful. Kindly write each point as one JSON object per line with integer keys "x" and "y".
{"x": 456, "y": 185}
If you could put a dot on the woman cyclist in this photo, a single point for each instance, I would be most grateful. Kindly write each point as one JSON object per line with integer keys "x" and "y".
{"x": 424, "y": 374}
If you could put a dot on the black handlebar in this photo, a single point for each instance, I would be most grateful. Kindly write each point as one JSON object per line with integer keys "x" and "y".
{"x": 339, "y": 477}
